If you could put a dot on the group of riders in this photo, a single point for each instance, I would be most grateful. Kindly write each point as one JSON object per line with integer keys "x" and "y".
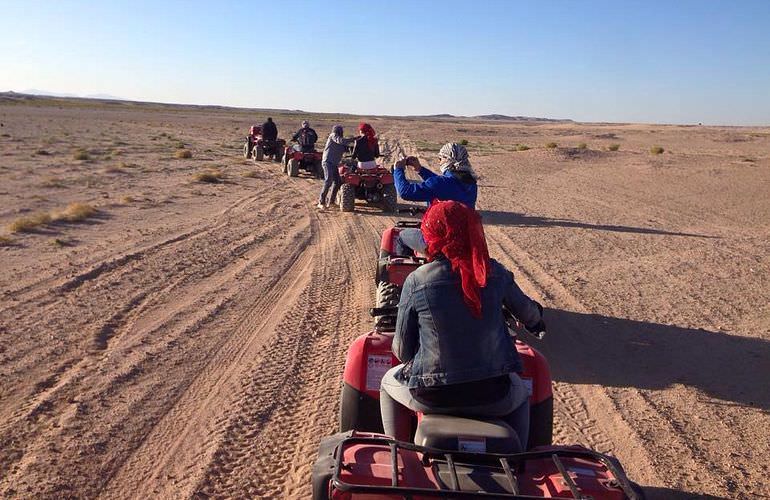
{"x": 451, "y": 337}
{"x": 365, "y": 149}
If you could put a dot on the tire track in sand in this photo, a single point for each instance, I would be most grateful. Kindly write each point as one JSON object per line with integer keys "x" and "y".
{"x": 291, "y": 399}
{"x": 182, "y": 442}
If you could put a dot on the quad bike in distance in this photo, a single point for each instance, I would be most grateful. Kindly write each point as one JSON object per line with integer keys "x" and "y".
{"x": 294, "y": 160}
{"x": 258, "y": 147}
{"x": 450, "y": 456}
{"x": 374, "y": 185}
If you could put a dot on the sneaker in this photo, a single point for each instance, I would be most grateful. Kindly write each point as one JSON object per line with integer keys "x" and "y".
{"x": 320, "y": 206}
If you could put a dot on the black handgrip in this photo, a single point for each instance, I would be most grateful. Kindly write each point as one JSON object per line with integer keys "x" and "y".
{"x": 412, "y": 210}
{"x": 383, "y": 311}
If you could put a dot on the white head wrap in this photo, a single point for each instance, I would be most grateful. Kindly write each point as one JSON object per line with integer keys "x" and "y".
{"x": 454, "y": 157}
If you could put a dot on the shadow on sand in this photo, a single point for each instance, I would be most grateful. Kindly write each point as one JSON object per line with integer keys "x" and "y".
{"x": 669, "y": 494}
{"x": 596, "y": 349}
{"x": 497, "y": 218}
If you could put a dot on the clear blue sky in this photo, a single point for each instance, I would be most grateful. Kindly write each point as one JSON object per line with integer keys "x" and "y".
{"x": 643, "y": 61}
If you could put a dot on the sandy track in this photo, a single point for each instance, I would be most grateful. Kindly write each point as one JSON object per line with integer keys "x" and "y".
{"x": 195, "y": 348}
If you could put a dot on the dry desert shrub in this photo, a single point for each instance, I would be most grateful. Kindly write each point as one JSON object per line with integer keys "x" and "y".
{"x": 42, "y": 152}
{"x": 252, "y": 174}
{"x": 613, "y": 147}
{"x": 183, "y": 153}
{"x": 61, "y": 242}
{"x": 522, "y": 147}
{"x": 52, "y": 182}
{"x": 113, "y": 169}
{"x": 29, "y": 223}
{"x": 81, "y": 154}
{"x": 582, "y": 145}
{"x": 75, "y": 212}
{"x": 656, "y": 150}
{"x": 551, "y": 145}
{"x": 464, "y": 142}
{"x": 211, "y": 176}
{"x": 127, "y": 199}
{"x": 6, "y": 241}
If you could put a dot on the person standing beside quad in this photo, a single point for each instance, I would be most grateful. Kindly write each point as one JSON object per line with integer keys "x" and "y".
{"x": 269, "y": 130}
{"x": 457, "y": 182}
{"x": 367, "y": 147}
{"x": 335, "y": 147}
{"x": 306, "y": 137}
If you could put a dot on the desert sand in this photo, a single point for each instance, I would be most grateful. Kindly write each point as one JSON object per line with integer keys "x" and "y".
{"x": 187, "y": 339}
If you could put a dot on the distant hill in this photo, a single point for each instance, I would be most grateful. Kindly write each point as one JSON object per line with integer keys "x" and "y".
{"x": 506, "y": 118}
{"x": 39, "y": 95}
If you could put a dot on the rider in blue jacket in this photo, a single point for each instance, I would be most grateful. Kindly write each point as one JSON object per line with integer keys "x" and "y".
{"x": 457, "y": 182}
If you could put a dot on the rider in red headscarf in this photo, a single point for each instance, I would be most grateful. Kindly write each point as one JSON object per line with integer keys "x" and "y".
{"x": 367, "y": 146}
{"x": 451, "y": 337}
{"x": 454, "y": 231}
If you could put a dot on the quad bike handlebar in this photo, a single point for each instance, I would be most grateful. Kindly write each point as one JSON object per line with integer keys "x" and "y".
{"x": 514, "y": 325}
{"x": 383, "y": 311}
{"x": 412, "y": 210}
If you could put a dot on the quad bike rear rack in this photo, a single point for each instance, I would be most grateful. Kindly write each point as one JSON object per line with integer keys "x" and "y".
{"x": 506, "y": 462}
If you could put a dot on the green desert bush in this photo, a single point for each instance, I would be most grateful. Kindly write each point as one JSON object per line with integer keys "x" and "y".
{"x": 522, "y": 147}
{"x": 582, "y": 145}
{"x": 656, "y": 150}
{"x": 613, "y": 147}
{"x": 464, "y": 142}
{"x": 551, "y": 145}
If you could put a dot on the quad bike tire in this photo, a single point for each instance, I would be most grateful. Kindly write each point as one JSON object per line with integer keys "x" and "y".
{"x": 293, "y": 168}
{"x": 246, "y": 152}
{"x": 278, "y": 156}
{"x": 284, "y": 162}
{"x": 389, "y": 198}
{"x": 347, "y": 198}
{"x": 388, "y": 295}
{"x": 318, "y": 170}
{"x": 259, "y": 154}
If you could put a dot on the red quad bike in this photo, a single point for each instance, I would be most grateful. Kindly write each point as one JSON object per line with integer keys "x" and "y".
{"x": 258, "y": 147}
{"x": 374, "y": 185}
{"x": 295, "y": 160}
{"x": 450, "y": 456}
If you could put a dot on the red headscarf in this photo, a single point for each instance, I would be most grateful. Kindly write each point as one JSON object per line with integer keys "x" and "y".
{"x": 454, "y": 230}
{"x": 369, "y": 133}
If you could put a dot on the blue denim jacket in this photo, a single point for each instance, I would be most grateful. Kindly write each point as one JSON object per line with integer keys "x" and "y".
{"x": 438, "y": 339}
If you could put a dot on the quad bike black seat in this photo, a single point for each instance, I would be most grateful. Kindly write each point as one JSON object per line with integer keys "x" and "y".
{"x": 447, "y": 432}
